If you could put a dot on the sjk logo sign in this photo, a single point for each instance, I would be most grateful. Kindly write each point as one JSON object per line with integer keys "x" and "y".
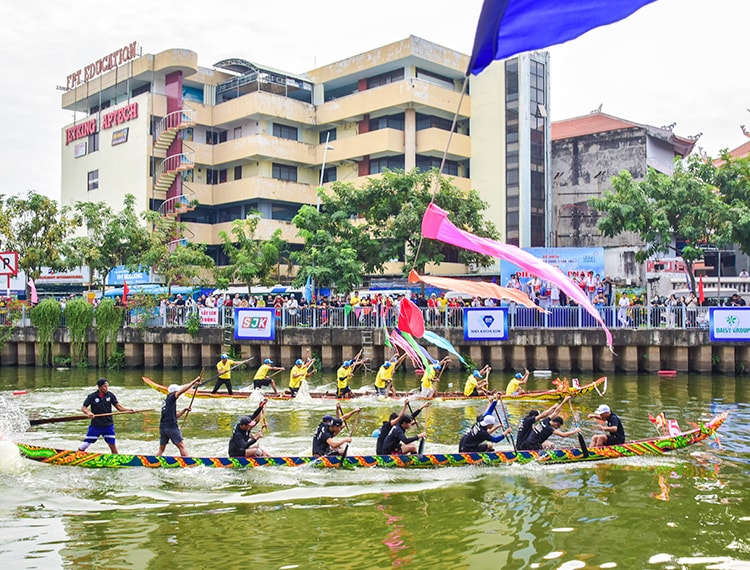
{"x": 254, "y": 324}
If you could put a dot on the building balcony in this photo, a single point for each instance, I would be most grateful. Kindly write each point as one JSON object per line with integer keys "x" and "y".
{"x": 166, "y": 130}
{"x": 255, "y": 188}
{"x": 433, "y": 142}
{"x": 209, "y": 233}
{"x": 169, "y": 168}
{"x": 256, "y": 147}
{"x": 395, "y": 97}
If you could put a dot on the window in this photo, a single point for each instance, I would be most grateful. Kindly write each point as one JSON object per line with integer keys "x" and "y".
{"x": 387, "y": 162}
{"x": 425, "y": 163}
{"x": 385, "y": 78}
{"x": 284, "y": 172}
{"x": 329, "y": 174}
{"x": 430, "y": 122}
{"x": 140, "y": 90}
{"x": 222, "y": 176}
{"x": 238, "y": 172}
{"x": 388, "y": 122}
{"x": 237, "y": 133}
{"x": 93, "y": 180}
{"x": 329, "y": 135}
{"x": 93, "y": 142}
{"x": 435, "y": 78}
{"x": 285, "y": 132}
{"x": 212, "y": 176}
{"x": 216, "y": 137}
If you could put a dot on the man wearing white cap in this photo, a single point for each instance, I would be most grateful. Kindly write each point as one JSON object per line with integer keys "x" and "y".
{"x": 169, "y": 429}
{"x": 614, "y": 433}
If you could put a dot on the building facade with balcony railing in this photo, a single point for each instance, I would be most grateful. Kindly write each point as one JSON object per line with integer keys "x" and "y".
{"x": 206, "y": 146}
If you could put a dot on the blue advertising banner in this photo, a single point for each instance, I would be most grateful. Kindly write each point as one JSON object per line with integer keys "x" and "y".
{"x": 486, "y": 323}
{"x": 729, "y": 324}
{"x": 254, "y": 324}
{"x": 120, "y": 274}
{"x": 566, "y": 259}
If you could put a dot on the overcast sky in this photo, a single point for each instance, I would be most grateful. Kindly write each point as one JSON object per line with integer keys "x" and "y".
{"x": 674, "y": 61}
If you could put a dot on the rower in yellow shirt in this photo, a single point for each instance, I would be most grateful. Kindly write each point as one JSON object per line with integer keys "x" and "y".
{"x": 515, "y": 386}
{"x": 477, "y": 382}
{"x": 384, "y": 377}
{"x": 431, "y": 377}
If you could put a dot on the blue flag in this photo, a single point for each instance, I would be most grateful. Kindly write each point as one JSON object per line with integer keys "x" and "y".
{"x": 308, "y": 290}
{"x": 509, "y": 27}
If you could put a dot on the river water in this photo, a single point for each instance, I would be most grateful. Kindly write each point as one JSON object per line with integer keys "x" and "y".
{"x": 685, "y": 510}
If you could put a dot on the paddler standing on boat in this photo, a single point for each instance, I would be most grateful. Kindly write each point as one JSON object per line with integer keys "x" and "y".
{"x": 477, "y": 382}
{"x": 262, "y": 377}
{"x": 515, "y": 386}
{"x": 224, "y": 368}
{"x": 169, "y": 429}
{"x": 344, "y": 374}
{"x": 299, "y": 372}
{"x": 96, "y": 404}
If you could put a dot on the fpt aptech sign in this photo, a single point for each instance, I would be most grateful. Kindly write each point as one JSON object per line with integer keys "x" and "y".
{"x": 730, "y": 324}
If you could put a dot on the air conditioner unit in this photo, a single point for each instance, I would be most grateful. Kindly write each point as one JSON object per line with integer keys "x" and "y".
{"x": 473, "y": 267}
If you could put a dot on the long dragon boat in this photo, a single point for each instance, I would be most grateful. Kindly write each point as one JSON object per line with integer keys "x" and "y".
{"x": 644, "y": 447}
{"x": 537, "y": 395}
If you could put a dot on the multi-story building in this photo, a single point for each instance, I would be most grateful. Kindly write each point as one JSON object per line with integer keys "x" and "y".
{"x": 586, "y": 152}
{"x": 240, "y": 136}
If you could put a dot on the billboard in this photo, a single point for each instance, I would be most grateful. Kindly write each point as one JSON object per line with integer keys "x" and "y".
{"x": 486, "y": 323}
{"x": 254, "y": 324}
{"x": 729, "y": 324}
{"x": 566, "y": 259}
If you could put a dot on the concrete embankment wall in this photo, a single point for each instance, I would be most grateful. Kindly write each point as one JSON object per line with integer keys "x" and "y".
{"x": 684, "y": 350}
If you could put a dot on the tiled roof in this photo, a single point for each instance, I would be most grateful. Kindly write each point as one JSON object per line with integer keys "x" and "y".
{"x": 741, "y": 151}
{"x": 588, "y": 125}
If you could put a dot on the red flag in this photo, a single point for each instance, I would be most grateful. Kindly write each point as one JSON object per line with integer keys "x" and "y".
{"x": 701, "y": 295}
{"x": 125, "y": 291}
{"x": 410, "y": 318}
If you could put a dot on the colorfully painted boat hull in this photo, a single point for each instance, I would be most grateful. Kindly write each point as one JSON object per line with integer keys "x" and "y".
{"x": 646, "y": 447}
{"x": 539, "y": 395}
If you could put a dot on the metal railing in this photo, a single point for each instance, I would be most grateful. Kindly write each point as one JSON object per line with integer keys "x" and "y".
{"x": 634, "y": 317}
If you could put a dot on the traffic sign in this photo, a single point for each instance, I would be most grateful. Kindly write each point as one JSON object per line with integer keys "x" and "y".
{"x": 8, "y": 262}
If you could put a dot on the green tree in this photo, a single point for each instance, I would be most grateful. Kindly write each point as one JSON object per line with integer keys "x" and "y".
{"x": 252, "y": 261}
{"x": 180, "y": 262}
{"x": 36, "y": 227}
{"x": 661, "y": 207}
{"x": 381, "y": 222}
{"x": 732, "y": 177}
{"x": 112, "y": 239}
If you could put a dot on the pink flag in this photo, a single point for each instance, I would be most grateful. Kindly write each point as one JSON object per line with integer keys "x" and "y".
{"x": 32, "y": 291}
{"x": 435, "y": 225}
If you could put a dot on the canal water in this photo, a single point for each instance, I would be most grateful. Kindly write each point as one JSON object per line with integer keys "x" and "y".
{"x": 685, "y": 510}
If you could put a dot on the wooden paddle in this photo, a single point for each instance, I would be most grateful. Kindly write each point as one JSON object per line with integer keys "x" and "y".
{"x": 508, "y": 436}
{"x": 581, "y": 441}
{"x": 36, "y": 422}
{"x": 190, "y": 405}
